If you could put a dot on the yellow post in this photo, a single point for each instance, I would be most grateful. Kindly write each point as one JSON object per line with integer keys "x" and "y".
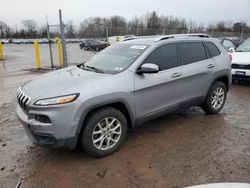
{"x": 117, "y": 39}
{"x": 37, "y": 54}
{"x": 1, "y": 52}
{"x": 59, "y": 48}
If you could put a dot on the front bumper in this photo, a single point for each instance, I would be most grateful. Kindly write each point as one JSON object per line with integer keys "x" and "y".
{"x": 245, "y": 74}
{"x": 59, "y": 133}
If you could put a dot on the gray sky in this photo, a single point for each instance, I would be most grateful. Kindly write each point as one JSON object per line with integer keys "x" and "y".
{"x": 14, "y": 11}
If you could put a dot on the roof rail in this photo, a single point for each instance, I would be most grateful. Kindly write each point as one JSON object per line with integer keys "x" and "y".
{"x": 140, "y": 37}
{"x": 164, "y": 37}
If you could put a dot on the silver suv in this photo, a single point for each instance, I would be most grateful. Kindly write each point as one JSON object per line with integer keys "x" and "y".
{"x": 127, "y": 84}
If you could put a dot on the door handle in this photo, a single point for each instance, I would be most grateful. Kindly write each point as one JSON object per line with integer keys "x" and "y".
{"x": 177, "y": 74}
{"x": 211, "y": 66}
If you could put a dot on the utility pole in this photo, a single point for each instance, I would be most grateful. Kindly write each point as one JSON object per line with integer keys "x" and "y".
{"x": 164, "y": 31}
{"x": 50, "y": 48}
{"x": 241, "y": 33}
{"x": 107, "y": 35}
{"x": 65, "y": 62}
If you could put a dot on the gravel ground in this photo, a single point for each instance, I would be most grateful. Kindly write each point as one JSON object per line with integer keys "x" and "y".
{"x": 175, "y": 151}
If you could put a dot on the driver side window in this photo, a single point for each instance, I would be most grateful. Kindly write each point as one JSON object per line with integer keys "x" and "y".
{"x": 164, "y": 56}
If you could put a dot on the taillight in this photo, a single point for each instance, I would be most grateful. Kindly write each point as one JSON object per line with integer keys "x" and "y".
{"x": 231, "y": 57}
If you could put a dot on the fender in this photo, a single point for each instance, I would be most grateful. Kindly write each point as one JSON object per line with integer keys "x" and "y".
{"x": 218, "y": 75}
{"x": 102, "y": 101}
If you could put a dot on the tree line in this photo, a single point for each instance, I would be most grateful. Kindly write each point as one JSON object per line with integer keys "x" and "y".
{"x": 149, "y": 24}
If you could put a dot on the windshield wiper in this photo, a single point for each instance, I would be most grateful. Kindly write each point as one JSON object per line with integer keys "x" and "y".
{"x": 89, "y": 68}
{"x": 94, "y": 69}
{"x": 80, "y": 65}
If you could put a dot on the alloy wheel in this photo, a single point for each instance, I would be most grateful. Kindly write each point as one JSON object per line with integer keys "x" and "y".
{"x": 106, "y": 133}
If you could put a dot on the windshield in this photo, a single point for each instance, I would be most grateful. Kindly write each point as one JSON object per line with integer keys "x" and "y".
{"x": 115, "y": 58}
{"x": 244, "y": 47}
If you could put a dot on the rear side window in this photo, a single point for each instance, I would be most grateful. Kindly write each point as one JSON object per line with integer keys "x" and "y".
{"x": 213, "y": 50}
{"x": 192, "y": 52}
{"x": 164, "y": 56}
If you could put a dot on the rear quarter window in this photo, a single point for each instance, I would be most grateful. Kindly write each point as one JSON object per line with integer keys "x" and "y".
{"x": 212, "y": 49}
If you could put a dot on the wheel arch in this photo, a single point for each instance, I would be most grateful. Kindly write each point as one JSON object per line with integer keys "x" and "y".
{"x": 224, "y": 79}
{"x": 119, "y": 105}
{"x": 221, "y": 78}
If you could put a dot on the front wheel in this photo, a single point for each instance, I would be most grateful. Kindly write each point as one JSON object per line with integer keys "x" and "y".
{"x": 215, "y": 99}
{"x": 104, "y": 132}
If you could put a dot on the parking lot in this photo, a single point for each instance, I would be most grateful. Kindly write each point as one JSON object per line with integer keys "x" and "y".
{"x": 179, "y": 150}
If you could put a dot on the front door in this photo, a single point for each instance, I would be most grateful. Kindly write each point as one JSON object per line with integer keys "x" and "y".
{"x": 157, "y": 93}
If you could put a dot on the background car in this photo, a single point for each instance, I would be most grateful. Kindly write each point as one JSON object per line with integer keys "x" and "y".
{"x": 4, "y": 41}
{"x": 228, "y": 44}
{"x": 241, "y": 61}
{"x": 84, "y": 42}
{"x": 96, "y": 45}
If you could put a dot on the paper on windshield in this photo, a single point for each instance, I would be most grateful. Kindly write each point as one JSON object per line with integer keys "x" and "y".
{"x": 138, "y": 47}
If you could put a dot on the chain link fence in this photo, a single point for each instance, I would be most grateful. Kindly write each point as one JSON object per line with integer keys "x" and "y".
{"x": 77, "y": 55}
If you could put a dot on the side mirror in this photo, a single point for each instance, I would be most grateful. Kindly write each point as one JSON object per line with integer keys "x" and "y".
{"x": 231, "y": 50}
{"x": 148, "y": 68}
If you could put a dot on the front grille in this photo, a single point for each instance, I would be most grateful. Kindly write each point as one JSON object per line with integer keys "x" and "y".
{"x": 240, "y": 66}
{"x": 22, "y": 100}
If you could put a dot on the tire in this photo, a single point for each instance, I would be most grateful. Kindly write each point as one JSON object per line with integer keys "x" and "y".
{"x": 217, "y": 95}
{"x": 97, "y": 49}
{"x": 97, "y": 122}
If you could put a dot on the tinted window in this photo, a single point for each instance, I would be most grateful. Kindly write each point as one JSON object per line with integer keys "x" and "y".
{"x": 192, "y": 52}
{"x": 164, "y": 56}
{"x": 213, "y": 50}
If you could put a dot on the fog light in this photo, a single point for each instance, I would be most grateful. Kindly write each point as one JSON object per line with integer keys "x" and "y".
{"x": 42, "y": 118}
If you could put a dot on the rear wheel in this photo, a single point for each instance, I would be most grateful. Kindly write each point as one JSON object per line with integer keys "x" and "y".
{"x": 215, "y": 99}
{"x": 104, "y": 133}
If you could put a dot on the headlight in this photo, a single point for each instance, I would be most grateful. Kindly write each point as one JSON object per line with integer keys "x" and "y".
{"x": 57, "y": 100}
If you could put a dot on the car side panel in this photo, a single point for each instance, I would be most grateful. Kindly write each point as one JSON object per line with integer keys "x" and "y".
{"x": 156, "y": 92}
{"x": 196, "y": 76}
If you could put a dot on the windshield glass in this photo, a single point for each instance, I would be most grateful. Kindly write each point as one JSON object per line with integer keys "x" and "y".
{"x": 116, "y": 58}
{"x": 244, "y": 47}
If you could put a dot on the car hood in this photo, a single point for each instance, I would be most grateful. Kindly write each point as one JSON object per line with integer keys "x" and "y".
{"x": 62, "y": 82}
{"x": 241, "y": 57}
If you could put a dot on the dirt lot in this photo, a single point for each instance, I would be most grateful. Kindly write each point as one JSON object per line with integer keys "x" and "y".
{"x": 174, "y": 151}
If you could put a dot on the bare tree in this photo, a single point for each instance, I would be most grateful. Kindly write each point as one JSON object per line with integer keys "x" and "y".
{"x": 4, "y": 30}
{"x": 70, "y": 28}
{"x": 30, "y": 26}
{"x": 153, "y": 23}
{"x": 42, "y": 31}
{"x": 119, "y": 25}
{"x": 136, "y": 26}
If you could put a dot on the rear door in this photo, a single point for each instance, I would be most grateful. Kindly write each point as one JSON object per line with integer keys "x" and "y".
{"x": 197, "y": 68}
{"x": 156, "y": 93}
